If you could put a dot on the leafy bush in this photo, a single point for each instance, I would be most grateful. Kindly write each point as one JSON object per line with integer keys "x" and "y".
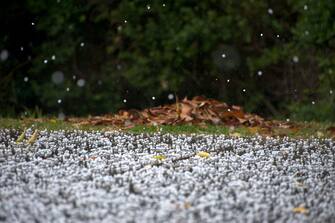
{"x": 272, "y": 57}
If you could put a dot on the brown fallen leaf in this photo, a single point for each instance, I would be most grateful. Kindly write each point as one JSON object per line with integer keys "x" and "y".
{"x": 185, "y": 112}
{"x": 187, "y": 205}
{"x": 254, "y": 130}
{"x": 197, "y": 111}
{"x": 331, "y": 130}
{"x": 177, "y": 107}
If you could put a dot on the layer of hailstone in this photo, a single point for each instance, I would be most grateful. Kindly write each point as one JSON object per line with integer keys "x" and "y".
{"x": 78, "y": 176}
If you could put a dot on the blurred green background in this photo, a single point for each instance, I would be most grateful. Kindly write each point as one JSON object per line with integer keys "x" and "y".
{"x": 88, "y": 57}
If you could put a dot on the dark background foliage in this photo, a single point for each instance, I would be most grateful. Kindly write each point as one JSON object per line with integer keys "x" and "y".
{"x": 275, "y": 58}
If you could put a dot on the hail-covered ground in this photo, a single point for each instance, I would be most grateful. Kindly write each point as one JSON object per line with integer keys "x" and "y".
{"x": 79, "y": 176}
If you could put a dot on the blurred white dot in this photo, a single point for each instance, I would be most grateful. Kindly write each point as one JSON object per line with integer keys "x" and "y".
{"x": 270, "y": 11}
{"x": 224, "y": 55}
{"x": 330, "y": 91}
{"x": 313, "y": 102}
{"x": 153, "y": 98}
{"x": 228, "y": 80}
{"x": 287, "y": 119}
{"x": 119, "y": 28}
{"x": 81, "y": 82}
{"x": 125, "y": 21}
{"x": 26, "y": 79}
{"x": 99, "y": 82}
{"x": 57, "y": 77}
{"x": 170, "y": 96}
{"x": 4, "y": 55}
{"x": 67, "y": 89}
{"x": 21, "y": 48}
{"x": 244, "y": 90}
{"x": 148, "y": 7}
{"x": 53, "y": 57}
{"x": 259, "y": 73}
{"x": 295, "y": 59}
{"x": 45, "y": 61}
{"x": 74, "y": 77}
{"x": 305, "y": 7}
{"x": 277, "y": 36}
{"x": 61, "y": 116}
{"x": 82, "y": 44}
{"x": 32, "y": 23}
{"x": 228, "y": 109}
{"x": 163, "y": 5}
{"x": 261, "y": 34}
{"x": 124, "y": 100}
{"x": 59, "y": 101}
{"x": 306, "y": 32}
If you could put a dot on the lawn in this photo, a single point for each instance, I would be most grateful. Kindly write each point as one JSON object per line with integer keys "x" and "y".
{"x": 299, "y": 129}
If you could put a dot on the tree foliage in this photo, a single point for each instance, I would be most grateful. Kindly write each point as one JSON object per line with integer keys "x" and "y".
{"x": 274, "y": 58}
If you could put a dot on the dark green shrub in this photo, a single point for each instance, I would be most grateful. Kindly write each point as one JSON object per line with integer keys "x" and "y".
{"x": 272, "y": 57}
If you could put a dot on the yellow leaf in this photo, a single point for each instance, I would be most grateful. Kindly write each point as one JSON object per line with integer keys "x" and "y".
{"x": 319, "y": 134}
{"x": 203, "y": 154}
{"x": 300, "y": 210}
{"x": 21, "y": 137}
{"x": 53, "y": 120}
{"x": 235, "y": 134}
{"x": 159, "y": 157}
{"x": 33, "y": 137}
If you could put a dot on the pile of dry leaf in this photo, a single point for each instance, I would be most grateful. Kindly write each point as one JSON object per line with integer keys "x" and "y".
{"x": 198, "y": 111}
